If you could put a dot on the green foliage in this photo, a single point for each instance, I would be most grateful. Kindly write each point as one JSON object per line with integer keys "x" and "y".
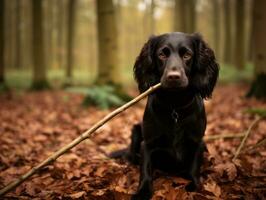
{"x": 3, "y": 88}
{"x": 229, "y": 74}
{"x": 21, "y": 79}
{"x": 258, "y": 87}
{"x": 257, "y": 111}
{"x": 40, "y": 85}
{"x": 68, "y": 83}
{"x": 18, "y": 79}
{"x": 103, "y": 97}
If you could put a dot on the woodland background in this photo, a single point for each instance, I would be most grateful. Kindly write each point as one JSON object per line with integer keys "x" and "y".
{"x": 65, "y": 64}
{"x": 60, "y": 42}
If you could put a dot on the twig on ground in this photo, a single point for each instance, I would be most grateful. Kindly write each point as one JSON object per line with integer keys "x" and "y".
{"x": 75, "y": 142}
{"x": 257, "y": 145}
{"x": 245, "y": 137}
{"x": 223, "y": 136}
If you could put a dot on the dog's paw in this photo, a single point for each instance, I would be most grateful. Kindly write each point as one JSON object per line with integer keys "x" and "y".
{"x": 144, "y": 192}
{"x": 141, "y": 196}
{"x": 118, "y": 154}
{"x": 191, "y": 187}
{"x": 133, "y": 159}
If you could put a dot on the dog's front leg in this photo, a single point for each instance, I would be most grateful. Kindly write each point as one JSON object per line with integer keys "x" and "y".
{"x": 145, "y": 182}
{"x": 135, "y": 146}
{"x": 196, "y": 161}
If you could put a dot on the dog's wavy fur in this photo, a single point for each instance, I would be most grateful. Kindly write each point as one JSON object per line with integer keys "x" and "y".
{"x": 170, "y": 136}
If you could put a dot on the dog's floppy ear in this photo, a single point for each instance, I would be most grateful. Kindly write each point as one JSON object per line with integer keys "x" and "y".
{"x": 205, "y": 68}
{"x": 144, "y": 69}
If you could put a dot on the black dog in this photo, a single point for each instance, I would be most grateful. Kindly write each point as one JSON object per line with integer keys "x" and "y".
{"x": 174, "y": 121}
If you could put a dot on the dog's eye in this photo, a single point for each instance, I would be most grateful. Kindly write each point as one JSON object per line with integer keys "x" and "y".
{"x": 187, "y": 56}
{"x": 162, "y": 56}
{"x": 164, "y": 53}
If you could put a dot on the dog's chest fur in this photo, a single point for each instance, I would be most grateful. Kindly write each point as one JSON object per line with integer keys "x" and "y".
{"x": 169, "y": 136}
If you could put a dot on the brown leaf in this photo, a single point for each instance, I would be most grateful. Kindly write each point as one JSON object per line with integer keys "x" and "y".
{"x": 34, "y": 125}
{"x": 99, "y": 192}
{"x": 57, "y": 173}
{"x": 32, "y": 190}
{"x": 213, "y": 188}
{"x": 121, "y": 184}
{"x": 228, "y": 169}
{"x": 100, "y": 171}
{"x": 176, "y": 194}
{"x": 77, "y": 195}
{"x": 231, "y": 171}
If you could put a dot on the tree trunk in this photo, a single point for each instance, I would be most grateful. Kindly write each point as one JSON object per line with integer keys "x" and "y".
{"x": 10, "y": 35}
{"x": 216, "y": 27}
{"x": 107, "y": 43}
{"x": 18, "y": 35}
{"x": 148, "y": 19}
{"x": 48, "y": 31}
{"x": 70, "y": 38}
{"x": 258, "y": 87}
{"x": 2, "y": 38}
{"x": 180, "y": 16}
{"x": 185, "y": 16}
{"x": 239, "y": 53}
{"x": 228, "y": 32}
{"x": 26, "y": 39}
{"x": 191, "y": 15}
{"x": 60, "y": 33}
{"x": 39, "y": 68}
{"x": 152, "y": 9}
{"x": 92, "y": 57}
{"x": 250, "y": 40}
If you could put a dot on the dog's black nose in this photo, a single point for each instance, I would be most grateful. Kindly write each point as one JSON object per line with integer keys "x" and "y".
{"x": 174, "y": 76}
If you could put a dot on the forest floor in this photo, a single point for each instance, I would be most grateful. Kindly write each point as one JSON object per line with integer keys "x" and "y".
{"x": 35, "y": 124}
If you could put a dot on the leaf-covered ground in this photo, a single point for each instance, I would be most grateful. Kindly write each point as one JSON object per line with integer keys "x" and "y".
{"x": 34, "y": 125}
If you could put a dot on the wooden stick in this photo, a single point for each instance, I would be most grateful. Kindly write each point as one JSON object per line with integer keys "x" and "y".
{"x": 223, "y": 136}
{"x": 245, "y": 137}
{"x": 75, "y": 142}
{"x": 257, "y": 145}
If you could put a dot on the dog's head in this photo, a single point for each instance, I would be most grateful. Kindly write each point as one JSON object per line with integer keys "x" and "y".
{"x": 179, "y": 61}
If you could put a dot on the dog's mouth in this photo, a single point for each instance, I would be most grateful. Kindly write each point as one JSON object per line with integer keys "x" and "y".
{"x": 174, "y": 85}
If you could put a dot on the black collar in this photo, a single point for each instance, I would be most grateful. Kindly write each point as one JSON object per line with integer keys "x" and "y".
{"x": 180, "y": 113}
{"x": 176, "y": 112}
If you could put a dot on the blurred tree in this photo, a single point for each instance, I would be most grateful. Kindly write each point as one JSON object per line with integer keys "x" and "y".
{"x": 2, "y": 39}
{"x": 60, "y": 36}
{"x": 10, "y": 33}
{"x": 227, "y": 32}
{"x": 54, "y": 33}
{"x": 152, "y": 10}
{"x": 26, "y": 34}
{"x": 185, "y": 15}
{"x": 239, "y": 47}
{"x": 191, "y": 15}
{"x": 250, "y": 29}
{"x": 107, "y": 43}
{"x": 92, "y": 35}
{"x": 18, "y": 62}
{"x": 48, "y": 19}
{"x": 70, "y": 37}
{"x": 216, "y": 26}
{"x": 180, "y": 16}
{"x": 149, "y": 21}
{"x": 258, "y": 87}
{"x": 39, "y": 65}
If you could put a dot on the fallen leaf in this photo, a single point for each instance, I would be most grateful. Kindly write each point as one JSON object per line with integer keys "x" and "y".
{"x": 77, "y": 195}
{"x": 228, "y": 169}
{"x": 213, "y": 188}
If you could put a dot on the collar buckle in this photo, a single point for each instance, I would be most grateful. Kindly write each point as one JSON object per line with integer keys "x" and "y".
{"x": 175, "y": 116}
